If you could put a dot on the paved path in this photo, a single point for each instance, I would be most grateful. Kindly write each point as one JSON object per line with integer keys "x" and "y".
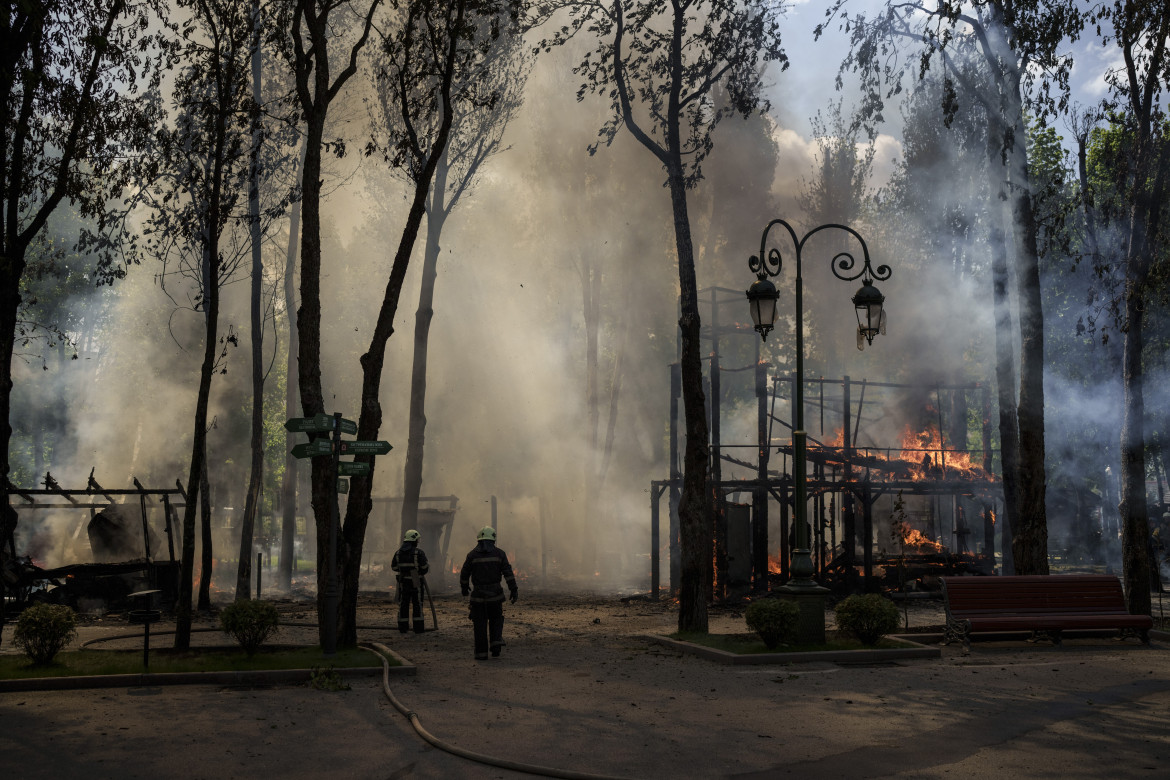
{"x": 578, "y": 689}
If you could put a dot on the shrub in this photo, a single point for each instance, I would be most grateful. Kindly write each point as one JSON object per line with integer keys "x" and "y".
{"x": 43, "y": 630}
{"x": 773, "y": 619}
{"x": 867, "y": 617}
{"x": 250, "y": 623}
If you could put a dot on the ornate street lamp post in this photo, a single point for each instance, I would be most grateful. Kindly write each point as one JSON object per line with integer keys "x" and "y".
{"x": 871, "y": 320}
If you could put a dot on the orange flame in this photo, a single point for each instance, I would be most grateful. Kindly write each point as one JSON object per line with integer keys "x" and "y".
{"x": 775, "y": 565}
{"x": 912, "y": 537}
{"x": 925, "y": 449}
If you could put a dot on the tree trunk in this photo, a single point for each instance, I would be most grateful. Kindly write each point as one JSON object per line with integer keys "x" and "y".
{"x": 256, "y": 472}
{"x": 11, "y": 269}
{"x": 1030, "y": 526}
{"x": 694, "y": 511}
{"x": 1009, "y": 436}
{"x": 1145, "y": 221}
{"x": 288, "y": 487}
{"x": 309, "y": 348}
{"x": 412, "y": 477}
{"x": 358, "y": 507}
{"x": 314, "y": 93}
{"x": 199, "y": 442}
{"x": 207, "y": 546}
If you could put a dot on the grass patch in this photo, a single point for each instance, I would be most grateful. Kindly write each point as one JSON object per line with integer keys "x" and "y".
{"x": 102, "y": 662}
{"x": 748, "y": 644}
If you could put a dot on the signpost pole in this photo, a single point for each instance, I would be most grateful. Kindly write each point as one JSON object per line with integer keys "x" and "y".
{"x": 332, "y": 586}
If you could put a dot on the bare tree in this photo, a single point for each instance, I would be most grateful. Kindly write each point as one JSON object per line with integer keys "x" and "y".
{"x": 428, "y": 55}
{"x": 659, "y": 65}
{"x": 272, "y": 139}
{"x": 310, "y": 25}
{"x": 489, "y": 96}
{"x": 193, "y": 179}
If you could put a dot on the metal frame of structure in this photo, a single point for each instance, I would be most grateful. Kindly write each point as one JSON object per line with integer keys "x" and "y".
{"x": 843, "y": 484}
{"x": 94, "y": 497}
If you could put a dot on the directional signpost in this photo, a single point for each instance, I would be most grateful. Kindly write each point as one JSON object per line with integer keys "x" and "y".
{"x": 334, "y": 447}
{"x": 365, "y": 447}
{"x": 321, "y": 423}
{"x": 313, "y": 448}
{"x": 353, "y": 469}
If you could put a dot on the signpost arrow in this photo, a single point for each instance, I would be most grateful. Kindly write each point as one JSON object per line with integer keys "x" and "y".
{"x": 365, "y": 447}
{"x": 318, "y": 424}
{"x": 312, "y": 449}
{"x": 353, "y": 469}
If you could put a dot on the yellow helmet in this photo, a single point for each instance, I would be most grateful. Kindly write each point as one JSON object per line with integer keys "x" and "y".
{"x": 410, "y": 536}
{"x": 487, "y": 532}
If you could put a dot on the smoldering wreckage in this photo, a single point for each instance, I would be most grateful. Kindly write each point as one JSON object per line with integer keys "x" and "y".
{"x": 131, "y": 540}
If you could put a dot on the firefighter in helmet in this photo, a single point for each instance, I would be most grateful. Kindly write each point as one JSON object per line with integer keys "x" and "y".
{"x": 410, "y": 566}
{"x": 480, "y": 579}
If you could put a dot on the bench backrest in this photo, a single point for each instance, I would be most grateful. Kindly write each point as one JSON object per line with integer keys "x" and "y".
{"x": 1024, "y": 595}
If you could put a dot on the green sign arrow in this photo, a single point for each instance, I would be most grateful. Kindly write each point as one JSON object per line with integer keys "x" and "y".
{"x": 318, "y": 424}
{"x": 365, "y": 447}
{"x": 353, "y": 469}
{"x": 342, "y": 486}
{"x": 312, "y": 449}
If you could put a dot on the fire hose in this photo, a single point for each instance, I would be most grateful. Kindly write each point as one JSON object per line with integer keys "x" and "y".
{"x": 455, "y": 750}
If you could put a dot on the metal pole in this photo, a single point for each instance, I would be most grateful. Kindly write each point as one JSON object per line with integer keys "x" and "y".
{"x": 655, "y": 495}
{"x": 760, "y": 496}
{"x": 719, "y": 581}
{"x": 543, "y": 540}
{"x": 802, "y": 567}
{"x": 332, "y": 589}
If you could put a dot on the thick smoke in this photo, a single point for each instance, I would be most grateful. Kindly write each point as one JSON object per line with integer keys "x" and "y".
{"x": 506, "y": 398}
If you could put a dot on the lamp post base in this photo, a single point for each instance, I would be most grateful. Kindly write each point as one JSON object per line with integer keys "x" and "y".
{"x": 810, "y": 625}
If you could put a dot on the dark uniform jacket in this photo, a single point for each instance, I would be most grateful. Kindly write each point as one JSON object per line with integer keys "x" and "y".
{"x": 482, "y": 570}
{"x": 407, "y": 560}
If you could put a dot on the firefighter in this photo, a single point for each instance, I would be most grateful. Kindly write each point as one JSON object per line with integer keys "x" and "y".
{"x": 410, "y": 566}
{"x": 480, "y": 578}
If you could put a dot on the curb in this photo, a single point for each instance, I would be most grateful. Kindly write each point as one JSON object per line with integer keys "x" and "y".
{"x": 257, "y": 677}
{"x": 916, "y": 651}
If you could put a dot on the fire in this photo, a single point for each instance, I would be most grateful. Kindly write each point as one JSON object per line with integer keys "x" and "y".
{"x": 912, "y": 537}
{"x": 926, "y": 447}
{"x": 775, "y": 565}
{"x": 926, "y": 453}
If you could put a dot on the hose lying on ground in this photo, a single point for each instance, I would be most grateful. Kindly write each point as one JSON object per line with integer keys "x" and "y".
{"x": 455, "y": 750}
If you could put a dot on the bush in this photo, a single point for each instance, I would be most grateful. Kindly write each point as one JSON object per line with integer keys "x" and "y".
{"x": 773, "y": 619}
{"x": 867, "y": 617}
{"x": 43, "y": 630}
{"x": 250, "y": 623}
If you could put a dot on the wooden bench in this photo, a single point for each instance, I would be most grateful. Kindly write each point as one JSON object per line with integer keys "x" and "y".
{"x": 1044, "y": 605}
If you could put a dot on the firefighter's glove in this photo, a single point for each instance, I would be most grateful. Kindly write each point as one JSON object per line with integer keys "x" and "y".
{"x": 512, "y": 598}
{"x": 465, "y": 592}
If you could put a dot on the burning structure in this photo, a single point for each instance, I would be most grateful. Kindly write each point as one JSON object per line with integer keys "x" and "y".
{"x": 126, "y": 530}
{"x": 882, "y": 516}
